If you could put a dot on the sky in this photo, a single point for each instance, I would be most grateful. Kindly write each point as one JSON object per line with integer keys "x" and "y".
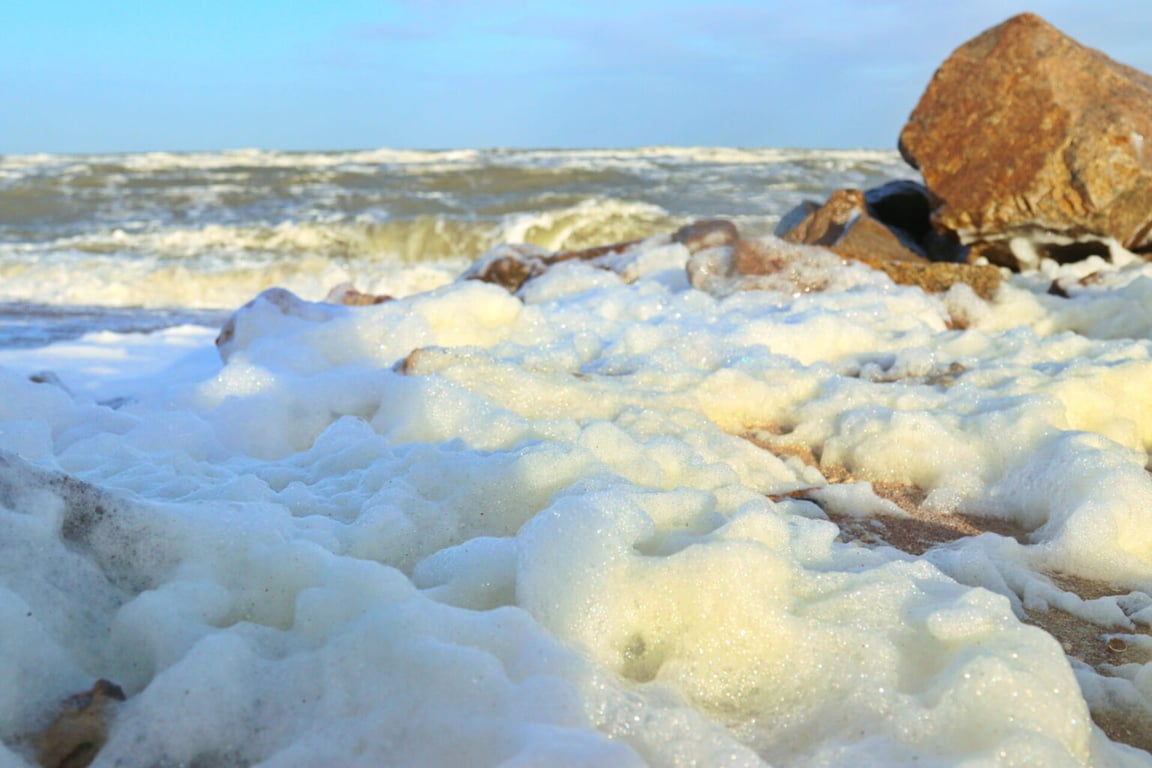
{"x": 134, "y": 75}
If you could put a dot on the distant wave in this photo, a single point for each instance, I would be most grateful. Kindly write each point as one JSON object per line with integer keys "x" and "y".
{"x": 211, "y": 229}
{"x": 220, "y": 265}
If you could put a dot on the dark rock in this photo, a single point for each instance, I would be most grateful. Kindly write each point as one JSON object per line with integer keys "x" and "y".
{"x": 885, "y": 222}
{"x": 845, "y": 225}
{"x": 902, "y": 204}
{"x": 1023, "y": 132}
{"x": 507, "y": 268}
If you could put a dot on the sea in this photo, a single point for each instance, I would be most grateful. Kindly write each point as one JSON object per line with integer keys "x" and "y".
{"x": 136, "y": 242}
{"x": 630, "y": 514}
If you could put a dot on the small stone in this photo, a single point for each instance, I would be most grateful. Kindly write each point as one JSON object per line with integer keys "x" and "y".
{"x": 78, "y": 733}
{"x": 509, "y": 266}
{"x": 346, "y": 294}
{"x": 707, "y": 233}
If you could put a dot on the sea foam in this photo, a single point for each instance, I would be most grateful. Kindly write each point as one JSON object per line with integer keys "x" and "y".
{"x": 466, "y": 527}
{"x": 610, "y": 520}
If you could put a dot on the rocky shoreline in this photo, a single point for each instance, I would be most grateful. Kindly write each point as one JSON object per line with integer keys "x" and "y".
{"x": 1031, "y": 147}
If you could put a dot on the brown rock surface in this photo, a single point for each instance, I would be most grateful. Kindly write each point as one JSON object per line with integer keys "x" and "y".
{"x": 1024, "y": 132}
{"x": 771, "y": 263}
{"x": 936, "y": 277}
{"x": 508, "y": 266}
{"x": 844, "y": 225}
{"x": 76, "y": 735}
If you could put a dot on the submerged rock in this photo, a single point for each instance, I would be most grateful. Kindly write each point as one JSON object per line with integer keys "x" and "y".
{"x": 1025, "y": 133}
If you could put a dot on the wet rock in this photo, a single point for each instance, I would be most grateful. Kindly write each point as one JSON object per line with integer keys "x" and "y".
{"x": 512, "y": 265}
{"x": 509, "y": 266}
{"x": 793, "y": 218}
{"x": 771, "y": 263}
{"x": 845, "y": 225}
{"x": 892, "y": 221}
{"x": 346, "y": 294}
{"x": 937, "y": 277}
{"x": 593, "y": 253}
{"x": 1025, "y": 133}
{"x": 849, "y": 225}
{"x": 767, "y": 263}
{"x": 903, "y": 205}
{"x": 906, "y": 207}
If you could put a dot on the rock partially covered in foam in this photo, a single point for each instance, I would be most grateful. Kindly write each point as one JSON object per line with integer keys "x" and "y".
{"x": 818, "y": 258}
{"x": 1025, "y": 133}
{"x": 514, "y": 265}
{"x": 269, "y": 308}
{"x": 718, "y": 260}
{"x": 346, "y": 294}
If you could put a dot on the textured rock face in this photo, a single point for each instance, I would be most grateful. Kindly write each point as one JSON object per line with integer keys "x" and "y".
{"x": 845, "y": 225}
{"x": 771, "y": 263}
{"x": 1025, "y": 132}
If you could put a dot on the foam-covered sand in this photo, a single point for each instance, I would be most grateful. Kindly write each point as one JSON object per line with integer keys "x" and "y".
{"x": 559, "y": 532}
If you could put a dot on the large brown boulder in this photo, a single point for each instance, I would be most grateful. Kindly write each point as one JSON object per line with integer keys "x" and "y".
{"x": 1023, "y": 132}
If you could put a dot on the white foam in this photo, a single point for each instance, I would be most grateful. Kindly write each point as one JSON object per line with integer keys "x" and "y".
{"x": 471, "y": 527}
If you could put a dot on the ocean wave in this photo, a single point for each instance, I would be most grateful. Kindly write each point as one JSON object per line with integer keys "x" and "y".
{"x": 410, "y": 240}
{"x": 220, "y": 266}
{"x": 432, "y": 161}
{"x": 95, "y": 280}
{"x": 210, "y": 229}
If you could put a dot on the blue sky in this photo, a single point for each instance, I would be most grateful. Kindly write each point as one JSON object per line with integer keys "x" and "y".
{"x": 128, "y": 75}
